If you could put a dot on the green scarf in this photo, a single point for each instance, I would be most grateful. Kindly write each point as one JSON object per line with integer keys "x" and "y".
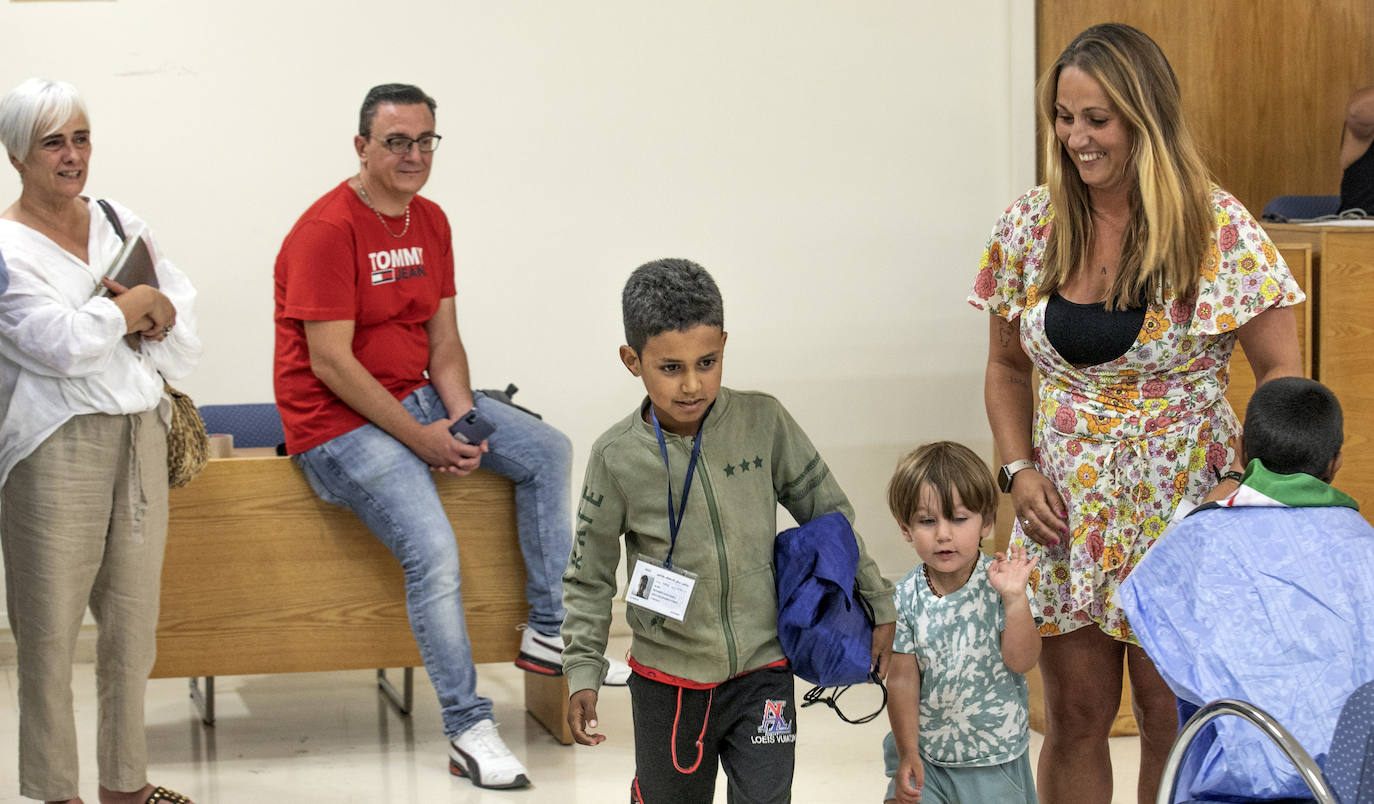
{"x": 1263, "y": 488}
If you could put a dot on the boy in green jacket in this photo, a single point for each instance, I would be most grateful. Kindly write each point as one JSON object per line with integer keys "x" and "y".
{"x": 692, "y": 479}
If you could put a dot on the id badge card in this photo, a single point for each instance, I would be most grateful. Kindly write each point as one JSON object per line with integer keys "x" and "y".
{"x": 659, "y": 589}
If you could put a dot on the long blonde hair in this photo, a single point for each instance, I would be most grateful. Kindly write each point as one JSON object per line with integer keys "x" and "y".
{"x": 1171, "y": 221}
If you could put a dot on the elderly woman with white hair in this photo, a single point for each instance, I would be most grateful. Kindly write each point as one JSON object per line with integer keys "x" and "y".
{"x": 83, "y": 447}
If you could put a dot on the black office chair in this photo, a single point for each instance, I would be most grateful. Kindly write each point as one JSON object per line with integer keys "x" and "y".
{"x": 1301, "y": 207}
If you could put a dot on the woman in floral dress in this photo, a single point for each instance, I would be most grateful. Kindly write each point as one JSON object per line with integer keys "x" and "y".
{"x": 1126, "y": 282}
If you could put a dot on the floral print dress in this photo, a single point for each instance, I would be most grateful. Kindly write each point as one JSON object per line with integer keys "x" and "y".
{"x": 1124, "y": 441}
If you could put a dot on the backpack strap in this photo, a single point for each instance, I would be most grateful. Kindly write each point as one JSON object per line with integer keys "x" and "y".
{"x": 114, "y": 218}
{"x": 817, "y": 695}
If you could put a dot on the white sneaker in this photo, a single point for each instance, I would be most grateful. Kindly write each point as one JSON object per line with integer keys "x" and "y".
{"x": 540, "y": 654}
{"x": 544, "y": 655}
{"x": 618, "y": 674}
{"x": 480, "y": 755}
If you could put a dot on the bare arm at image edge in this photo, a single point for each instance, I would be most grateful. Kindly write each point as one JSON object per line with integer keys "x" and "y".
{"x": 1359, "y": 126}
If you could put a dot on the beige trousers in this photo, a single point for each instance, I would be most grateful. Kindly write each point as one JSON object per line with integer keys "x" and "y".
{"x": 83, "y": 520}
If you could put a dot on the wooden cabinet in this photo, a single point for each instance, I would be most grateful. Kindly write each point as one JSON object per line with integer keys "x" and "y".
{"x": 1339, "y": 328}
{"x": 1347, "y": 360}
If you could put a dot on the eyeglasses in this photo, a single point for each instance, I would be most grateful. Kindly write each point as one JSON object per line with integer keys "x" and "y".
{"x": 400, "y": 145}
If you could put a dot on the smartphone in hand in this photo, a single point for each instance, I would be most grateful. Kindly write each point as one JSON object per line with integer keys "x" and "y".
{"x": 472, "y": 427}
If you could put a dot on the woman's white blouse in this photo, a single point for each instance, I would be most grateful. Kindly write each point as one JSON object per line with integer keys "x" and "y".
{"x": 62, "y": 352}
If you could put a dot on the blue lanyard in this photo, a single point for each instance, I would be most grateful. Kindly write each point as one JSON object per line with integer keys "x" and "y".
{"x": 675, "y": 523}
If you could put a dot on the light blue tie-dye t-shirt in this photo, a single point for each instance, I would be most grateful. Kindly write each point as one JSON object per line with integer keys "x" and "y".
{"x": 973, "y": 709}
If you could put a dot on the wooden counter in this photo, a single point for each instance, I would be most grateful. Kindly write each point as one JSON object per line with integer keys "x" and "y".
{"x": 262, "y": 576}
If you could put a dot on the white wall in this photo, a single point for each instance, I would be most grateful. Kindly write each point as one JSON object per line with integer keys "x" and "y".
{"x": 836, "y": 165}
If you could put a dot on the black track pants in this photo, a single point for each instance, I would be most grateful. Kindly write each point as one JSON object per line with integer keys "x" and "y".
{"x": 748, "y": 724}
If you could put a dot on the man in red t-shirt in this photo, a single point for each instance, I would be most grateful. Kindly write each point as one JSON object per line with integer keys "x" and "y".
{"x": 370, "y": 373}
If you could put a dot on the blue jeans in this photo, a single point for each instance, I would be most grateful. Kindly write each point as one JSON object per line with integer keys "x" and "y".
{"x": 392, "y": 492}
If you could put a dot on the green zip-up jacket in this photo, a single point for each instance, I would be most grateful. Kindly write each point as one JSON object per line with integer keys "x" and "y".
{"x": 753, "y": 456}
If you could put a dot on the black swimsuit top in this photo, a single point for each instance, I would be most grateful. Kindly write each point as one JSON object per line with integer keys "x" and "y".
{"x": 1357, "y": 183}
{"x": 1090, "y": 334}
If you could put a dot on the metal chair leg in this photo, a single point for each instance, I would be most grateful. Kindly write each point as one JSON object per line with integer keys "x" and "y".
{"x": 205, "y": 704}
{"x": 402, "y": 703}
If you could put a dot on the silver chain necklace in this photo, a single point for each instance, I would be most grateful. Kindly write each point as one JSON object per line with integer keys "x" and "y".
{"x": 362, "y": 191}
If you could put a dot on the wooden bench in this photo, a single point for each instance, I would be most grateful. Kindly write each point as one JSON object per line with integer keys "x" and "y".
{"x": 262, "y": 576}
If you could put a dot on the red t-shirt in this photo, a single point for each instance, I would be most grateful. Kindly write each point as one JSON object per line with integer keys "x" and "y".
{"x": 339, "y": 263}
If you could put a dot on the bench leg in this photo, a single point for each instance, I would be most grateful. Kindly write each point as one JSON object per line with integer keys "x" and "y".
{"x": 546, "y": 699}
{"x": 404, "y": 703}
{"x": 205, "y": 704}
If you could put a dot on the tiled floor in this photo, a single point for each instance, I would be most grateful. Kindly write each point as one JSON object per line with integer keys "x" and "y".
{"x": 329, "y": 737}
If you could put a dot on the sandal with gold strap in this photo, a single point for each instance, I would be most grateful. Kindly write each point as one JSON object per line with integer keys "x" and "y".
{"x": 169, "y": 796}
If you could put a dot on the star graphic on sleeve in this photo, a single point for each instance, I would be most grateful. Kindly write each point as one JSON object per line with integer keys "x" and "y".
{"x": 758, "y": 462}
{"x": 729, "y": 470}
{"x": 744, "y": 465}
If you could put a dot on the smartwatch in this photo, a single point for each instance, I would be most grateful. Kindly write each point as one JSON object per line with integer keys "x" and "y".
{"x": 1005, "y": 475}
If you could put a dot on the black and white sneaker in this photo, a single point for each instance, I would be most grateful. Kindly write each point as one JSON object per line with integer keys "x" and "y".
{"x": 617, "y": 674}
{"x": 480, "y": 755}
{"x": 540, "y": 654}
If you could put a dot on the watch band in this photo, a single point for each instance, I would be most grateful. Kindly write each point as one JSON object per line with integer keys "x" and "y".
{"x": 1016, "y": 466}
{"x": 1007, "y": 472}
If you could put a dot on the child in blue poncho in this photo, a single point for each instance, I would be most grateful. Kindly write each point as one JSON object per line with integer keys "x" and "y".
{"x": 1265, "y": 596}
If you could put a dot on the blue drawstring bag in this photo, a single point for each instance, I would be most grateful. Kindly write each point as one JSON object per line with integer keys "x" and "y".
{"x": 824, "y": 625}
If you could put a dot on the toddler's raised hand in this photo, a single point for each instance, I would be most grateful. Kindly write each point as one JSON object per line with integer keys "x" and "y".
{"x": 1009, "y": 573}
